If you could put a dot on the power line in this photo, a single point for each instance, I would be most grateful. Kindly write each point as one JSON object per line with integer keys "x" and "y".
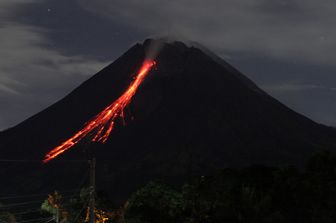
{"x": 22, "y": 213}
{"x": 23, "y": 204}
{"x": 28, "y": 202}
{"x": 52, "y": 219}
{"x": 82, "y": 181}
{"x": 33, "y": 195}
{"x": 19, "y": 204}
{"x": 36, "y": 219}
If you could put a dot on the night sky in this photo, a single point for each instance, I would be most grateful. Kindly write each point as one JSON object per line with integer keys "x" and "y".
{"x": 48, "y": 47}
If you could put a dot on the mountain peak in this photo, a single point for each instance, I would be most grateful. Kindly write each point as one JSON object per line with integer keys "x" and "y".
{"x": 153, "y": 46}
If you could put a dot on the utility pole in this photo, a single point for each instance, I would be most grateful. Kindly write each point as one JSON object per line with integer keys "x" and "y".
{"x": 57, "y": 215}
{"x": 92, "y": 190}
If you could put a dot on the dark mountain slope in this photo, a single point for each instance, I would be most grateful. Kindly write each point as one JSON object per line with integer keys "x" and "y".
{"x": 193, "y": 114}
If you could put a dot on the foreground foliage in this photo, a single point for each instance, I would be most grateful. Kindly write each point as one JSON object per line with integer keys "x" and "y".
{"x": 254, "y": 194}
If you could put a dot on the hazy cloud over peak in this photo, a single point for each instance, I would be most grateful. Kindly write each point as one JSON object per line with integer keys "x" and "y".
{"x": 287, "y": 29}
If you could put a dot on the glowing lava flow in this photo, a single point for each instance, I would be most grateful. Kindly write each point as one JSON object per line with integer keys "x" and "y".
{"x": 102, "y": 125}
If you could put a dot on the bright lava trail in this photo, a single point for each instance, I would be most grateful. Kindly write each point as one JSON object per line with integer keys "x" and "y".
{"x": 100, "y": 127}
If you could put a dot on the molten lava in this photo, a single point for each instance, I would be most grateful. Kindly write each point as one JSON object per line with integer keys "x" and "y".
{"x": 100, "y": 127}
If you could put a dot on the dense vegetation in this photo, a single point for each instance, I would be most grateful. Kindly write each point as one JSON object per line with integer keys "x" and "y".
{"x": 255, "y": 194}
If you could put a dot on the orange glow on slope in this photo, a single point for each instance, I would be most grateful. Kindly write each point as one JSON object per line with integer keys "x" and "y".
{"x": 102, "y": 125}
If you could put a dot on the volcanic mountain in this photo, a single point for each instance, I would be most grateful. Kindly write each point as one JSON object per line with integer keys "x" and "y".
{"x": 193, "y": 114}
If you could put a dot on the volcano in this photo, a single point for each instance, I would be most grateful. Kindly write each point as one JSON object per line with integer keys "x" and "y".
{"x": 192, "y": 115}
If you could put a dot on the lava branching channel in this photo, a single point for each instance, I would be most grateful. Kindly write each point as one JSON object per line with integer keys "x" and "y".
{"x": 100, "y": 127}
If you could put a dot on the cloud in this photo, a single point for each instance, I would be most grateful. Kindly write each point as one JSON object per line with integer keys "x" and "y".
{"x": 300, "y": 30}
{"x": 33, "y": 74}
{"x": 7, "y": 6}
{"x": 7, "y": 89}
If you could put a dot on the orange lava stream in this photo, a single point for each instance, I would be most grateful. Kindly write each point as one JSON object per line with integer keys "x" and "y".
{"x": 102, "y": 125}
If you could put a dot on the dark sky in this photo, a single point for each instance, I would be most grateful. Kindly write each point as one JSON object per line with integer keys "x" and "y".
{"x": 48, "y": 47}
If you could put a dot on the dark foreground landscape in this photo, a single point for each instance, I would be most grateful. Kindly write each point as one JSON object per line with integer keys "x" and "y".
{"x": 252, "y": 194}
